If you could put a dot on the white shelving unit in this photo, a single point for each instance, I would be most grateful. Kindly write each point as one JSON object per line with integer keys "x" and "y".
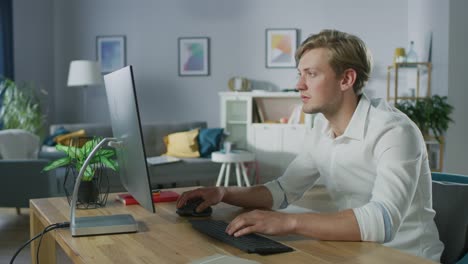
{"x": 252, "y": 119}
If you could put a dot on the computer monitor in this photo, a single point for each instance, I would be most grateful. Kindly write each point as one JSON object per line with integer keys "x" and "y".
{"x": 126, "y": 128}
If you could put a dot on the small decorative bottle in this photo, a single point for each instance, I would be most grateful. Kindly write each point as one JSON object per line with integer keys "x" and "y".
{"x": 411, "y": 56}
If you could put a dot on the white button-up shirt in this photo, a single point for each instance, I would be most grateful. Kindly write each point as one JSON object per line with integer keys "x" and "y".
{"x": 378, "y": 168}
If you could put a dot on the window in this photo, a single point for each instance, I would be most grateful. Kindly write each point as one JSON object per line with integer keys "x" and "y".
{"x": 6, "y": 39}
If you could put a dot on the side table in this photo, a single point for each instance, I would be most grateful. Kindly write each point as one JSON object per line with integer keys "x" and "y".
{"x": 236, "y": 157}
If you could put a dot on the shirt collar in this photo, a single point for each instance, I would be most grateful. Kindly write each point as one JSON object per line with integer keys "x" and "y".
{"x": 357, "y": 124}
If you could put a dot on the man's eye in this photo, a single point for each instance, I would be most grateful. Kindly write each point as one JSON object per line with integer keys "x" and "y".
{"x": 311, "y": 74}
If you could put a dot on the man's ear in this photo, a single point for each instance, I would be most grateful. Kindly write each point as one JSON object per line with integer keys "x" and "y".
{"x": 348, "y": 79}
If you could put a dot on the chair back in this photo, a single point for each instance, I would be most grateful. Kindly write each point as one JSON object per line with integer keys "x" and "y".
{"x": 449, "y": 200}
{"x": 16, "y": 144}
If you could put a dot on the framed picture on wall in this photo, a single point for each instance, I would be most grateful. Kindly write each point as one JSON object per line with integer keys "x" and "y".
{"x": 194, "y": 56}
{"x": 110, "y": 52}
{"x": 281, "y": 45}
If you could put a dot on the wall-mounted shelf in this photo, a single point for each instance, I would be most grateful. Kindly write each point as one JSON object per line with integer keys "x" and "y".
{"x": 413, "y": 75}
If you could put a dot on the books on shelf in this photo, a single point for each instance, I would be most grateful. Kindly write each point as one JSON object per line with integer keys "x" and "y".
{"x": 259, "y": 116}
{"x": 158, "y": 197}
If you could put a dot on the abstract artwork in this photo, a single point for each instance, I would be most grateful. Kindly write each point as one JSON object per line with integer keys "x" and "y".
{"x": 281, "y": 45}
{"x": 110, "y": 52}
{"x": 194, "y": 56}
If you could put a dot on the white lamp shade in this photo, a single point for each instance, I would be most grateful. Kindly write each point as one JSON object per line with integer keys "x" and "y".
{"x": 84, "y": 73}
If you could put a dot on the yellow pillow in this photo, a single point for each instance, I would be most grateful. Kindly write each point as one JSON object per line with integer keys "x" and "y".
{"x": 182, "y": 144}
{"x": 65, "y": 139}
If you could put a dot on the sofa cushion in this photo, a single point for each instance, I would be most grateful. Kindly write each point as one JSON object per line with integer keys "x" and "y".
{"x": 65, "y": 139}
{"x": 49, "y": 140}
{"x": 209, "y": 140}
{"x": 153, "y": 135}
{"x": 182, "y": 144}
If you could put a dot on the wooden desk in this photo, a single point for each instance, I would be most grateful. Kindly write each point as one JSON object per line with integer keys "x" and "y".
{"x": 165, "y": 237}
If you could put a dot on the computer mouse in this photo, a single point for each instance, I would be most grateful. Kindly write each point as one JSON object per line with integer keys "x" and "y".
{"x": 189, "y": 208}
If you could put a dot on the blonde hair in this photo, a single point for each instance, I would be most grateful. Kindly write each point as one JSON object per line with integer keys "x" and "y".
{"x": 346, "y": 51}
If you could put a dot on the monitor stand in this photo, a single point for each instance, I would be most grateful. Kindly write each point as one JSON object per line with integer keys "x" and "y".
{"x": 103, "y": 224}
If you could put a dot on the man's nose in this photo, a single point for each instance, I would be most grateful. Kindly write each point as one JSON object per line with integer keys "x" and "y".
{"x": 300, "y": 85}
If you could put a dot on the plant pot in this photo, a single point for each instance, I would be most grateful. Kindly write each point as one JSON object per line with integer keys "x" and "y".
{"x": 91, "y": 194}
{"x": 88, "y": 193}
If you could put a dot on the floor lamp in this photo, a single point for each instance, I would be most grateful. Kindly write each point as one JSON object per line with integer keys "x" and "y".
{"x": 84, "y": 73}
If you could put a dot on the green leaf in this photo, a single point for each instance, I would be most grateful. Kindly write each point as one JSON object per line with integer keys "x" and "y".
{"x": 57, "y": 163}
{"x": 71, "y": 151}
{"x": 105, "y": 153}
{"x": 109, "y": 163}
{"x": 102, "y": 153}
{"x": 88, "y": 174}
{"x": 430, "y": 114}
{"x": 89, "y": 146}
{"x": 21, "y": 107}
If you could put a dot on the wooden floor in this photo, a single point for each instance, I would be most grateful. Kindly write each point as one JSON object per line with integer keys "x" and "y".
{"x": 14, "y": 228}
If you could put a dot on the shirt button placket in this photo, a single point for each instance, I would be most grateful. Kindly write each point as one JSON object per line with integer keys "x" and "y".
{"x": 333, "y": 179}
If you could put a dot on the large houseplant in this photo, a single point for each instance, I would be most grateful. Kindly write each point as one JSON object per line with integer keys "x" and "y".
{"x": 93, "y": 192}
{"x": 431, "y": 114}
{"x": 21, "y": 107}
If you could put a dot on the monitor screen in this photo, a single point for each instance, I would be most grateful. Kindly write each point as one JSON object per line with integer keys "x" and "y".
{"x": 126, "y": 127}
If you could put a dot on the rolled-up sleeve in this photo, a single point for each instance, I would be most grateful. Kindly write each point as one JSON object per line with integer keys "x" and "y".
{"x": 398, "y": 168}
{"x": 300, "y": 175}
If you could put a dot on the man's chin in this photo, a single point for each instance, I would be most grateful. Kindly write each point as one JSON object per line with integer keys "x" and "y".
{"x": 310, "y": 110}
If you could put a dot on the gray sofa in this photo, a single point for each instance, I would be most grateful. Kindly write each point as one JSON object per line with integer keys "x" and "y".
{"x": 188, "y": 172}
{"x": 22, "y": 180}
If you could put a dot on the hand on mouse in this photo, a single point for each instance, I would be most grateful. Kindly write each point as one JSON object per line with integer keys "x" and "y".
{"x": 210, "y": 195}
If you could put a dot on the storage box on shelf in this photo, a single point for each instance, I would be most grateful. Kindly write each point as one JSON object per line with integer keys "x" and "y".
{"x": 412, "y": 81}
{"x": 253, "y": 122}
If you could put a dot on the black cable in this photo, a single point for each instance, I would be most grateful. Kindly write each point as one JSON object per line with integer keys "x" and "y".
{"x": 47, "y": 229}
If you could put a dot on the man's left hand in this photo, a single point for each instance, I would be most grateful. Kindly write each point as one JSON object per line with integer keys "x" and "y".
{"x": 259, "y": 221}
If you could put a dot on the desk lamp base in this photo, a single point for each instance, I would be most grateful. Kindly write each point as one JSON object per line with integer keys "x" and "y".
{"x": 102, "y": 225}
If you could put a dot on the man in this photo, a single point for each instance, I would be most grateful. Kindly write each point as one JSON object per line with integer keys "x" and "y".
{"x": 371, "y": 156}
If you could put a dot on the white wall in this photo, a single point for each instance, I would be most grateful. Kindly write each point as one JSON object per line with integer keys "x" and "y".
{"x": 237, "y": 33}
{"x": 426, "y": 18}
{"x": 457, "y": 146}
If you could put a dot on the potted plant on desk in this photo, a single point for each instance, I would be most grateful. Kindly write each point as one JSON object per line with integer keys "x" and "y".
{"x": 94, "y": 186}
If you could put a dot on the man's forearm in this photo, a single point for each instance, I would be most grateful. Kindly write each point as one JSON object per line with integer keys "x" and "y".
{"x": 335, "y": 226}
{"x": 248, "y": 197}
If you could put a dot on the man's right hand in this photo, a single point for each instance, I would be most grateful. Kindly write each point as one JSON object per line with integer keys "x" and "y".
{"x": 210, "y": 195}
